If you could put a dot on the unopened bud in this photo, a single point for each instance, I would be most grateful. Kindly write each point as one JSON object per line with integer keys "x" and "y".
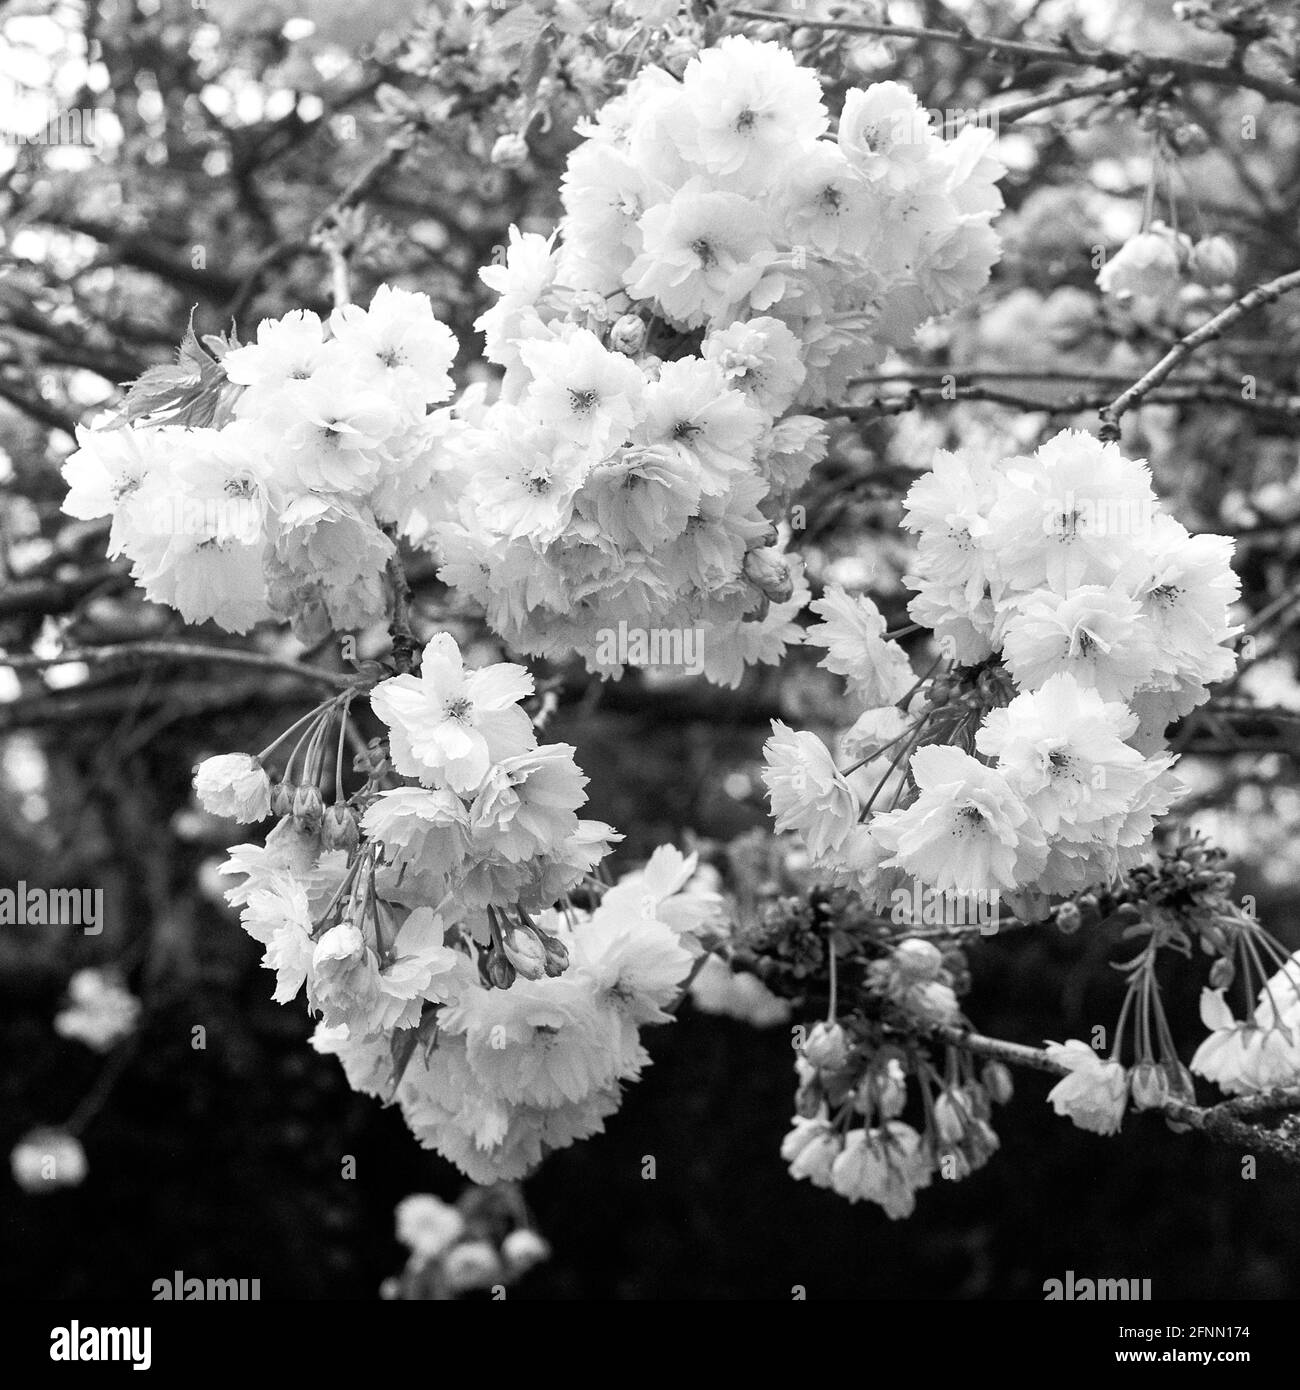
{"x": 1068, "y": 918}
{"x": 1149, "y": 1086}
{"x": 522, "y": 1249}
{"x": 827, "y": 1048}
{"x": 977, "y": 1100}
{"x": 1181, "y": 1087}
{"x": 308, "y": 807}
{"x": 1222, "y": 973}
{"x": 282, "y": 799}
{"x": 501, "y": 974}
{"x": 891, "y": 1094}
{"x": 918, "y": 961}
{"x": 808, "y": 1101}
{"x": 956, "y": 1164}
{"x": 510, "y": 152}
{"x": 1214, "y": 262}
{"x": 1089, "y": 909}
{"x": 557, "y": 955}
{"x": 1190, "y": 139}
{"x": 339, "y": 828}
{"x": 1214, "y": 940}
{"x": 628, "y": 335}
{"x": 768, "y": 570}
{"x": 950, "y": 1118}
{"x": 998, "y": 1082}
{"x": 525, "y": 952}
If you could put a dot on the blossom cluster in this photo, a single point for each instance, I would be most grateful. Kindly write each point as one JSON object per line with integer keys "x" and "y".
{"x": 319, "y": 447}
{"x": 719, "y": 197}
{"x": 479, "y": 1243}
{"x": 519, "y": 1072}
{"x": 1260, "y": 1051}
{"x": 1147, "y": 273}
{"x": 1078, "y": 621}
{"x": 440, "y": 917}
{"x": 851, "y": 1129}
{"x": 718, "y": 262}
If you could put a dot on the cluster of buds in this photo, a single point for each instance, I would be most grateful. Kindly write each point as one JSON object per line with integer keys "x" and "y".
{"x": 850, "y": 1132}
{"x": 1153, "y": 266}
{"x": 484, "y": 1242}
{"x": 1186, "y": 880}
{"x": 519, "y": 949}
{"x": 237, "y": 785}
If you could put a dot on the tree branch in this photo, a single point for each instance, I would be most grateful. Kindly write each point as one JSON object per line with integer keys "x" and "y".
{"x": 1226, "y": 1121}
{"x": 1107, "y": 59}
{"x": 1185, "y": 346}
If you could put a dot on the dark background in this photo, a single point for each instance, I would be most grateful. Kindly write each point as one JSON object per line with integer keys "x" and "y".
{"x": 227, "y": 1162}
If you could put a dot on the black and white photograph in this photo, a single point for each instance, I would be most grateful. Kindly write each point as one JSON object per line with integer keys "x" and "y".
{"x": 649, "y": 651}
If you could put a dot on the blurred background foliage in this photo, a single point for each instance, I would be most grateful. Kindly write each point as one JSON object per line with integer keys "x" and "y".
{"x": 231, "y": 139}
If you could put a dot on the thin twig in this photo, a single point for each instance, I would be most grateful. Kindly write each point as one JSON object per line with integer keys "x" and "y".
{"x": 1107, "y": 59}
{"x": 1210, "y": 330}
{"x": 176, "y": 651}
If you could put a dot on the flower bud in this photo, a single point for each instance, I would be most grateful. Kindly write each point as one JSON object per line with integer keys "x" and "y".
{"x": 282, "y": 798}
{"x": 982, "y": 1143}
{"x": 308, "y": 807}
{"x": 977, "y": 1100}
{"x": 525, "y": 952}
{"x": 956, "y": 1165}
{"x": 628, "y": 335}
{"x": 1214, "y": 262}
{"x": 950, "y": 1118}
{"x": 1190, "y": 139}
{"x": 557, "y": 955}
{"x": 1214, "y": 940}
{"x": 471, "y": 1265}
{"x": 827, "y": 1048}
{"x": 1148, "y": 1085}
{"x": 768, "y": 571}
{"x": 917, "y": 960}
{"x": 339, "y": 828}
{"x": 522, "y": 1249}
{"x": 501, "y": 974}
{"x": 1181, "y": 1087}
{"x": 891, "y": 1092}
{"x": 510, "y": 151}
{"x": 1068, "y": 918}
{"x": 998, "y": 1082}
{"x": 808, "y": 1100}
{"x": 46, "y": 1159}
{"x": 1222, "y": 973}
